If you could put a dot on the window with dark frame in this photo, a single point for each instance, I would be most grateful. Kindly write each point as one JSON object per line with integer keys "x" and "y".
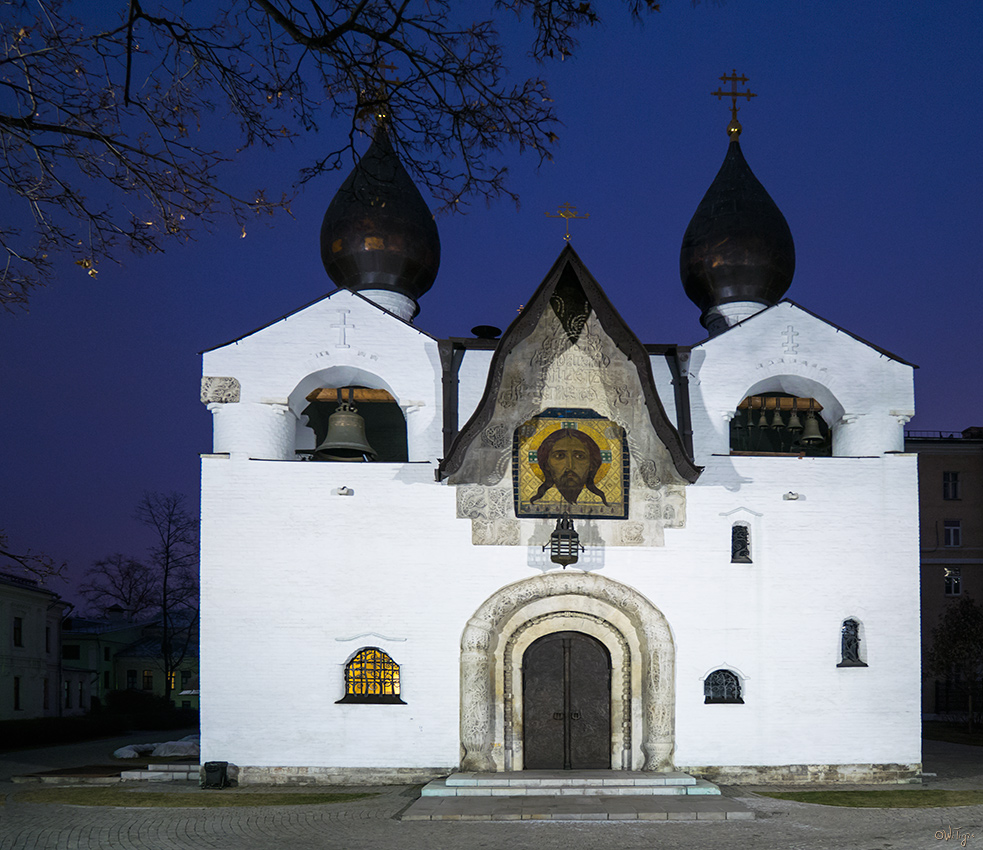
{"x": 45, "y": 694}
{"x": 131, "y": 679}
{"x": 18, "y": 631}
{"x": 740, "y": 544}
{"x": 953, "y": 581}
{"x": 952, "y": 533}
{"x": 17, "y": 693}
{"x": 722, "y": 686}
{"x": 47, "y": 638}
{"x": 148, "y": 680}
{"x": 68, "y": 694}
{"x": 850, "y": 645}
{"x": 372, "y": 677}
{"x": 950, "y": 486}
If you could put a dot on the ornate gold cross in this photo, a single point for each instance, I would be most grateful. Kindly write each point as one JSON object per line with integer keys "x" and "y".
{"x": 374, "y": 99}
{"x": 567, "y": 212}
{"x": 734, "y": 128}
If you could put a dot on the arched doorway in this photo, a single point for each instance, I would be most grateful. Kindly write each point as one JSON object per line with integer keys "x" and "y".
{"x": 566, "y": 686}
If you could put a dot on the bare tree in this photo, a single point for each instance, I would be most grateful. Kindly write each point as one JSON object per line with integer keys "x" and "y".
{"x": 33, "y": 565}
{"x": 174, "y": 558}
{"x": 163, "y": 585}
{"x": 113, "y": 132}
{"x": 121, "y": 580}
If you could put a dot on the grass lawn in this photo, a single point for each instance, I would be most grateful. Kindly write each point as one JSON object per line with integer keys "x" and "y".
{"x": 200, "y": 799}
{"x": 891, "y": 799}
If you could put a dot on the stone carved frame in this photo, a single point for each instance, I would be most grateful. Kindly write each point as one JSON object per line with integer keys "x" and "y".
{"x": 636, "y": 634}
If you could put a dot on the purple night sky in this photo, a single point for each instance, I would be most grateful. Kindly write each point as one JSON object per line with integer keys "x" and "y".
{"x": 866, "y": 131}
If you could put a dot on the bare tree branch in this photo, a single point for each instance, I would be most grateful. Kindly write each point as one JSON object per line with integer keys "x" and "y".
{"x": 116, "y": 135}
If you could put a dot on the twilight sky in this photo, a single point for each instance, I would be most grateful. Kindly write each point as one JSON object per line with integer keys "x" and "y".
{"x": 866, "y": 131}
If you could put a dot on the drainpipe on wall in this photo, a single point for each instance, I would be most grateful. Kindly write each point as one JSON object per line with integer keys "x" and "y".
{"x": 678, "y": 360}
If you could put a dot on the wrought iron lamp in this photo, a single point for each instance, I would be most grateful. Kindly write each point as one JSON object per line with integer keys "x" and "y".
{"x": 564, "y": 543}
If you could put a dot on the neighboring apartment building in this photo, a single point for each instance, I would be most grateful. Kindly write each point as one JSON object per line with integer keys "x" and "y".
{"x": 950, "y": 496}
{"x": 116, "y": 653}
{"x": 31, "y": 683}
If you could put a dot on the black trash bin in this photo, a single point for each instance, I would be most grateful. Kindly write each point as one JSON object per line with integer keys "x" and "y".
{"x": 216, "y": 774}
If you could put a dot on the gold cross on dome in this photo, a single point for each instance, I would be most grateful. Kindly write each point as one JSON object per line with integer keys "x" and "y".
{"x": 374, "y": 97}
{"x": 734, "y": 128}
{"x": 567, "y": 212}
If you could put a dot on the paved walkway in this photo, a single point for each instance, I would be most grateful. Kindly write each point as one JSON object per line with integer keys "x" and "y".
{"x": 372, "y": 823}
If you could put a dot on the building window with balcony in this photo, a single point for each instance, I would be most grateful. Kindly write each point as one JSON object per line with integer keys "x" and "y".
{"x": 952, "y": 532}
{"x": 950, "y": 486}
{"x": 953, "y": 581}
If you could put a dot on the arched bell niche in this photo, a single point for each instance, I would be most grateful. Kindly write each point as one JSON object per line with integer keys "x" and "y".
{"x": 315, "y": 398}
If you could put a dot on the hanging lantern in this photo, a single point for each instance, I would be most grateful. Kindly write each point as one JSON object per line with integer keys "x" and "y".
{"x": 345, "y": 441}
{"x": 564, "y": 543}
{"x": 810, "y": 435}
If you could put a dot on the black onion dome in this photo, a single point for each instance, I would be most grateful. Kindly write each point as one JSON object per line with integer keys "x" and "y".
{"x": 738, "y": 246}
{"x": 378, "y": 232}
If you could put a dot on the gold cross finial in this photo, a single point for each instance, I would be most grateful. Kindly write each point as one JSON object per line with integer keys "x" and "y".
{"x": 374, "y": 98}
{"x": 567, "y": 212}
{"x": 734, "y": 128}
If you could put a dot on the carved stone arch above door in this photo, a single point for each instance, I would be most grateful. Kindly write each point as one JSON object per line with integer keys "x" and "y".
{"x": 634, "y": 631}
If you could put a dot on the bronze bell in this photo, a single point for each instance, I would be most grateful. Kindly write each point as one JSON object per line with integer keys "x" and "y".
{"x": 794, "y": 424}
{"x": 811, "y": 436}
{"x": 345, "y": 440}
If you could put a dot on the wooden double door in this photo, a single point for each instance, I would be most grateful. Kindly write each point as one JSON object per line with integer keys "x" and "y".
{"x": 566, "y": 703}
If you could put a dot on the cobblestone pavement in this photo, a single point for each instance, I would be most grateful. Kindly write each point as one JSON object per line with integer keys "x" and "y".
{"x": 372, "y": 823}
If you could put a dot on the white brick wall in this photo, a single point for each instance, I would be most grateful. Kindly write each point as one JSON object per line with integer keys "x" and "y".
{"x": 290, "y": 570}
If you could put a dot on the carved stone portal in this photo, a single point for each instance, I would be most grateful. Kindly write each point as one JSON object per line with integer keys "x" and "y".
{"x": 635, "y": 633}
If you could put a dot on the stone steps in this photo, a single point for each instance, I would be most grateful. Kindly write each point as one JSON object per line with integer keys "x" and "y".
{"x": 163, "y": 773}
{"x": 581, "y": 783}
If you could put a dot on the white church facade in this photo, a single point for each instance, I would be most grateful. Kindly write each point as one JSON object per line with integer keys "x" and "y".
{"x": 740, "y": 600}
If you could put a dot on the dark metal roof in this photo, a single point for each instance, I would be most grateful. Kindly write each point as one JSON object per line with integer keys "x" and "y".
{"x": 568, "y": 280}
{"x": 738, "y": 246}
{"x": 378, "y": 232}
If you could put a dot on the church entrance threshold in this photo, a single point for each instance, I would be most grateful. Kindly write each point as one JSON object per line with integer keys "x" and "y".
{"x": 566, "y": 703}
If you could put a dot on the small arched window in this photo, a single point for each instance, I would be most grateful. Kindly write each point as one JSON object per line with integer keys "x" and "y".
{"x": 740, "y": 543}
{"x": 722, "y": 686}
{"x": 850, "y": 645}
{"x": 372, "y": 677}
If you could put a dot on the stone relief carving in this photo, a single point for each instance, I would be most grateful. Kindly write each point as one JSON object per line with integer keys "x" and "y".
{"x": 219, "y": 390}
{"x": 654, "y": 657}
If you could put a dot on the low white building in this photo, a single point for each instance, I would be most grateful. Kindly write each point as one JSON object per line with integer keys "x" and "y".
{"x": 745, "y": 605}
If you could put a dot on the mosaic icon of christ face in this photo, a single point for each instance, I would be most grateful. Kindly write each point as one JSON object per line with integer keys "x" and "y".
{"x": 569, "y": 460}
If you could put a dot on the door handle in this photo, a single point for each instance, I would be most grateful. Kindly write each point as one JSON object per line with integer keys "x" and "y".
{"x": 575, "y": 715}
{"x": 558, "y": 715}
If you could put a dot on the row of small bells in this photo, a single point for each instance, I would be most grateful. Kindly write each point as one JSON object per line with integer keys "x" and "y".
{"x": 810, "y": 435}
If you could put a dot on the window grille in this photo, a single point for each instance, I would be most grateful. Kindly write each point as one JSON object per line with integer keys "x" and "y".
{"x": 850, "y": 645}
{"x": 740, "y": 544}
{"x": 722, "y": 686}
{"x": 372, "y": 677}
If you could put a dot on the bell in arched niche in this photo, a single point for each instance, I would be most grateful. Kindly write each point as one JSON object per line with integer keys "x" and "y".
{"x": 375, "y": 430}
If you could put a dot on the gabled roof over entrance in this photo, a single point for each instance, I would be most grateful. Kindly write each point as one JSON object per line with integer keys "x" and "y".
{"x": 571, "y": 295}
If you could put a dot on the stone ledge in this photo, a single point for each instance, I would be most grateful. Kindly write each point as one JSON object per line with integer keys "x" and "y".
{"x": 257, "y": 775}
{"x": 809, "y": 774}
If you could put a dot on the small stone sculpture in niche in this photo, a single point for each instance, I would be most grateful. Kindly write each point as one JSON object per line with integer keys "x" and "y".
{"x": 570, "y": 461}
